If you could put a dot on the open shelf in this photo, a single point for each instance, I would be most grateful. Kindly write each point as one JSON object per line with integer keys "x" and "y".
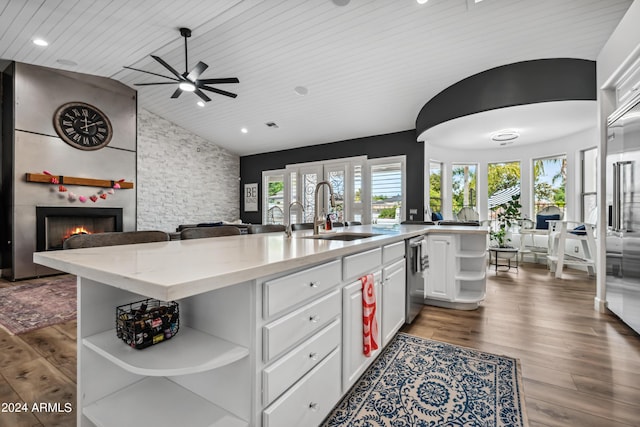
{"x": 472, "y": 254}
{"x": 158, "y": 402}
{"x": 470, "y": 295}
{"x": 470, "y": 275}
{"x": 189, "y": 352}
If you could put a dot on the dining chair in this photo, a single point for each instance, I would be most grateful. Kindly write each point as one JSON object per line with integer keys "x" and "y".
{"x": 204, "y": 232}
{"x": 114, "y": 239}
{"x": 266, "y": 228}
{"x": 302, "y": 226}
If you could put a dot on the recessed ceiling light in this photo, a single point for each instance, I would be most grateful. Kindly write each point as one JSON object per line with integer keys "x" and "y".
{"x": 187, "y": 87}
{"x": 244, "y": 130}
{"x": 200, "y": 103}
{"x": 504, "y": 135}
{"x": 422, "y": 1}
{"x": 301, "y": 90}
{"x": 40, "y": 42}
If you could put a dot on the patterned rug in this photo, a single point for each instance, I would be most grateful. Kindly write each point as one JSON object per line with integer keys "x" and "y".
{"x": 419, "y": 382}
{"x": 31, "y": 306}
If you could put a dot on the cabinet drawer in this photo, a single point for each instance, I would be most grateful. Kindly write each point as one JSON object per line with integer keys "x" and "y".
{"x": 392, "y": 252}
{"x": 309, "y": 401}
{"x": 286, "y": 331}
{"x": 354, "y": 266}
{"x": 281, "y": 375}
{"x": 284, "y": 292}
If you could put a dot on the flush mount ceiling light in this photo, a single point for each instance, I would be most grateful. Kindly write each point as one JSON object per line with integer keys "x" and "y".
{"x": 40, "y": 42}
{"x": 504, "y": 135}
{"x": 189, "y": 80}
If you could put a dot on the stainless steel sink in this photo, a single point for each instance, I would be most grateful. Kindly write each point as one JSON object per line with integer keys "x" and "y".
{"x": 346, "y": 236}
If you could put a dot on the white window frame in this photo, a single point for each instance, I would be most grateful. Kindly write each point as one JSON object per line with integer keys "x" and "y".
{"x": 381, "y": 161}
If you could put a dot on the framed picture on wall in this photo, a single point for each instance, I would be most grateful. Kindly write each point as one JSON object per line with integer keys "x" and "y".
{"x": 251, "y": 197}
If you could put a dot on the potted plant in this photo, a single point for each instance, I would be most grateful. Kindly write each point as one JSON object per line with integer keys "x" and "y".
{"x": 507, "y": 217}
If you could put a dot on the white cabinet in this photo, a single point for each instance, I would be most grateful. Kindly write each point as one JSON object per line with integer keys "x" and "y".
{"x": 301, "y": 348}
{"x": 456, "y": 276}
{"x": 439, "y": 279}
{"x": 354, "y": 362}
{"x": 393, "y": 299}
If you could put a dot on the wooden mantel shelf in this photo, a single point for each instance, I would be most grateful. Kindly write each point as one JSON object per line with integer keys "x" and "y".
{"x": 72, "y": 180}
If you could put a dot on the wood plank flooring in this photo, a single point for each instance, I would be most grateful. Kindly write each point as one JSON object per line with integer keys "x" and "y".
{"x": 38, "y": 367}
{"x": 580, "y": 367}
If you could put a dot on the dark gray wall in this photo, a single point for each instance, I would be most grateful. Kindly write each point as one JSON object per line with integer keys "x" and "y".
{"x": 393, "y": 144}
{"x": 520, "y": 83}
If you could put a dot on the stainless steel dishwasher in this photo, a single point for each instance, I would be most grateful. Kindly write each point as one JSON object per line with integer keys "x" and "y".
{"x": 417, "y": 260}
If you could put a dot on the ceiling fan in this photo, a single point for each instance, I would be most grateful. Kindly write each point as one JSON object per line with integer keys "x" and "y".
{"x": 189, "y": 80}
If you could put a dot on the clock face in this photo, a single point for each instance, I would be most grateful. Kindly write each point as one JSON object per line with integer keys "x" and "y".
{"x": 82, "y": 126}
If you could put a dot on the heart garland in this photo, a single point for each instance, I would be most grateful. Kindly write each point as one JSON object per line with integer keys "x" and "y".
{"x": 72, "y": 197}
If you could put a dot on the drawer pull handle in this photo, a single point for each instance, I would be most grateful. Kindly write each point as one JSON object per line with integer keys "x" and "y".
{"x": 313, "y": 284}
{"x": 314, "y": 318}
{"x": 313, "y": 356}
{"x": 313, "y": 406}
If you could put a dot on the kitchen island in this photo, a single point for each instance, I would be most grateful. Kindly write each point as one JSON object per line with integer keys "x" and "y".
{"x": 270, "y": 326}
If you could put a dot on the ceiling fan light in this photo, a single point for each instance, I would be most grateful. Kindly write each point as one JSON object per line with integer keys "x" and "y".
{"x": 187, "y": 87}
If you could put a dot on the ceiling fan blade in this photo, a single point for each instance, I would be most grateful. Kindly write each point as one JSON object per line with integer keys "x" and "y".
{"x": 177, "y": 93}
{"x": 204, "y": 97}
{"x": 219, "y": 81}
{"x": 151, "y": 84}
{"x": 197, "y": 70}
{"x": 219, "y": 91}
{"x": 149, "y": 72}
{"x": 168, "y": 67}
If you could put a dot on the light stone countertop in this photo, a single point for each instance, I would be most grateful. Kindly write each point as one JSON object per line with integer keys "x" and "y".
{"x": 178, "y": 269}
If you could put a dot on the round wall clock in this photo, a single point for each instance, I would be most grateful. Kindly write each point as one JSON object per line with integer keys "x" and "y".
{"x": 82, "y": 126}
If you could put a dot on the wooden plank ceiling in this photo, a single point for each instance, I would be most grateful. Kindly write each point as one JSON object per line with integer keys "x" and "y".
{"x": 369, "y": 66}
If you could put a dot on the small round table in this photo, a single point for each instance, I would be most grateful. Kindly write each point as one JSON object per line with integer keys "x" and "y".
{"x": 506, "y": 254}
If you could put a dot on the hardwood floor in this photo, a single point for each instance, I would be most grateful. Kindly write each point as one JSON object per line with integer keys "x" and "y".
{"x": 580, "y": 367}
{"x": 38, "y": 367}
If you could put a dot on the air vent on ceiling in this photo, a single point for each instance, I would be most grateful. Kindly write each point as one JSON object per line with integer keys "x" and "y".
{"x": 272, "y": 125}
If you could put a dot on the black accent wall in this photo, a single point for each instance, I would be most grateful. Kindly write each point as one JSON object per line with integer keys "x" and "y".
{"x": 520, "y": 83}
{"x": 6, "y": 165}
{"x": 393, "y": 144}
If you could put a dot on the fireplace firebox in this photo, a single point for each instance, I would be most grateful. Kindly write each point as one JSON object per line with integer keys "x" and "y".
{"x": 56, "y": 224}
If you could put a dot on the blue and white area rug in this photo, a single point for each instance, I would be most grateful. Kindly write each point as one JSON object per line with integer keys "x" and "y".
{"x": 420, "y": 382}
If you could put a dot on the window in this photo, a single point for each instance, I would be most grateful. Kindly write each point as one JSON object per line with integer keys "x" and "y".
{"x": 435, "y": 187}
{"x": 273, "y": 197}
{"x": 503, "y": 182}
{"x": 550, "y": 177}
{"x": 387, "y": 190}
{"x": 336, "y": 175}
{"x": 464, "y": 187}
{"x": 356, "y": 202}
{"x": 589, "y": 184}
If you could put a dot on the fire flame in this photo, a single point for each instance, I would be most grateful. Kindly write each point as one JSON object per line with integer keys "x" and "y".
{"x": 74, "y": 231}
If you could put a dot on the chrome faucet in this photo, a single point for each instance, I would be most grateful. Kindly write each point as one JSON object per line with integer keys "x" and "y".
{"x": 288, "y": 228}
{"x": 319, "y": 220}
